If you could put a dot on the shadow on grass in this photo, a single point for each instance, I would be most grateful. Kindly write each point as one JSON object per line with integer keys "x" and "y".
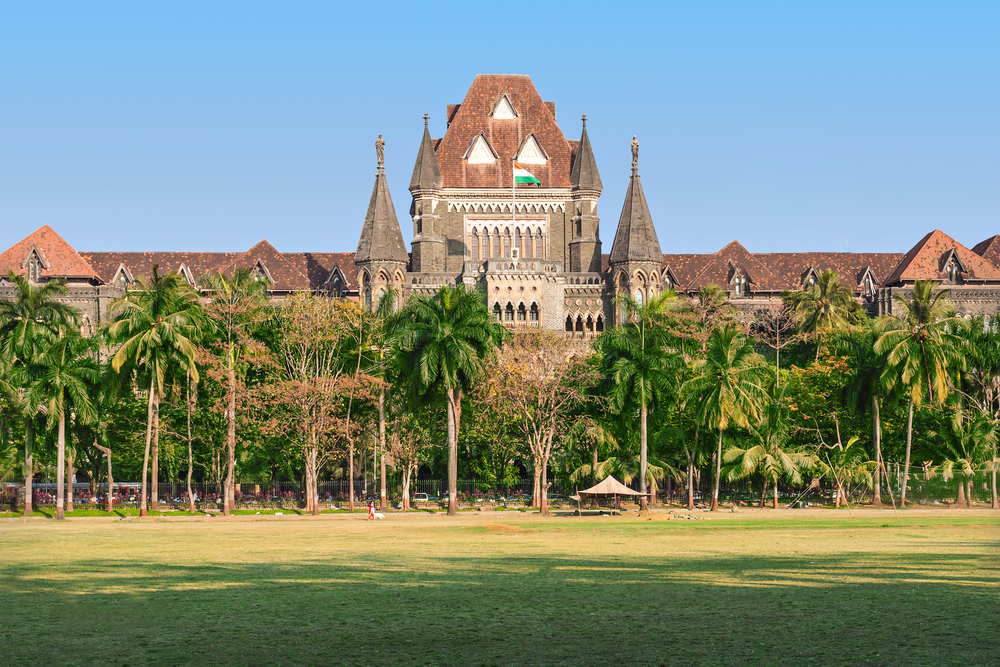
{"x": 915, "y": 609}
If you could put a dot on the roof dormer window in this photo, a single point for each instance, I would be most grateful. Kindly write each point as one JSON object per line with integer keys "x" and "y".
{"x": 531, "y": 152}
{"x": 33, "y": 265}
{"x": 480, "y": 151}
{"x": 953, "y": 268}
{"x": 503, "y": 109}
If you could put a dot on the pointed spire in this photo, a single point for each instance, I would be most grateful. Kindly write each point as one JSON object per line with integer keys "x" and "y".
{"x": 381, "y": 238}
{"x": 635, "y": 240}
{"x": 426, "y": 172}
{"x": 584, "y": 175}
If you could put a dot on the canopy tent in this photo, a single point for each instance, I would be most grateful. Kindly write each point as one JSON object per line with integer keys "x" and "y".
{"x": 608, "y": 488}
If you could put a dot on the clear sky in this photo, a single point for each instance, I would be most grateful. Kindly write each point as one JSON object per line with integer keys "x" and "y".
{"x": 789, "y": 126}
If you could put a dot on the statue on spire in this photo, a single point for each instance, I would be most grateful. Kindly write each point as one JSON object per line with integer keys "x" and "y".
{"x": 380, "y": 152}
{"x": 635, "y": 152}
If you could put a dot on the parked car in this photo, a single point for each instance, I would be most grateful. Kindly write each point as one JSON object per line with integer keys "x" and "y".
{"x": 421, "y": 498}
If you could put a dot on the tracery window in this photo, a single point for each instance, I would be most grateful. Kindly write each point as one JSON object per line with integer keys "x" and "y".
{"x": 475, "y": 245}
{"x": 508, "y": 315}
{"x": 521, "y": 313}
{"x": 533, "y": 313}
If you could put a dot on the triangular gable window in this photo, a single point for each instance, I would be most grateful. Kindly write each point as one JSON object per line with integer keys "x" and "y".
{"x": 669, "y": 279}
{"x": 33, "y": 264}
{"x": 740, "y": 280}
{"x": 480, "y": 151}
{"x": 335, "y": 282}
{"x": 503, "y": 109}
{"x": 809, "y": 278}
{"x": 123, "y": 277}
{"x": 953, "y": 267}
{"x": 867, "y": 282}
{"x": 186, "y": 272}
{"x": 260, "y": 272}
{"x": 531, "y": 152}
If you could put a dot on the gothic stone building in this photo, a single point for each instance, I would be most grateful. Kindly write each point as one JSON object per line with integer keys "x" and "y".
{"x": 534, "y": 252}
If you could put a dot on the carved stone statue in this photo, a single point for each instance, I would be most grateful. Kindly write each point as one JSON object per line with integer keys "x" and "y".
{"x": 380, "y": 151}
{"x": 635, "y": 152}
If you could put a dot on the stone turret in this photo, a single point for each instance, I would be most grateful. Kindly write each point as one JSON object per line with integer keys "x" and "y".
{"x": 635, "y": 258}
{"x": 425, "y": 185}
{"x": 381, "y": 257}
{"x": 585, "y": 240}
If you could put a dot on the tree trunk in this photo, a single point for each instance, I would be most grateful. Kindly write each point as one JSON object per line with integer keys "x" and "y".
{"x": 775, "y": 505}
{"x": 69, "y": 478}
{"x": 906, "y": 464}
{"x": 405, "y": 504}
{"x": 718, "y": 474}
{"x": 690, "y": 484}
{"x": 543, "y": 507}
{"x": 536, "y": 490}
{"x": 968, "y": 493}
{"x": 960, "y": 500}
{"x": 154, "y": 476}
{"x": 383, "y": 501}
{"x": 145, "y": 455}
{"x": 314, "y": 482}
{"x": 190, "y": 439}
{"x": 452, "y": 454}
{"x": 593, "y": 475}
{"x": 229, "y": 490}
{"x": 877, "y": 439}
{"x": 60, "y": 467}
{"x": 350, "y": 470}
{"x": 763, "y": 494}
{"x": 29, "y": 463}
{"x": 996, "y": 501}
{"x": 111, "y": 482}
{"x": 643, "y": 499}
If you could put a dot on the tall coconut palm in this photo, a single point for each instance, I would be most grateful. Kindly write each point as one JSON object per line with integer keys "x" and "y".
{"x": 444, "y": 342}
{"x": 865, "y": 388}
{"x": 729, "y": 390}
{"x": 923, "y": 351}
{"x": 29, "y": 322}
{"x": 155, "y": 327}
{"x": 770, "y": 455}
{"x": 982, "y": 381}
{"x": 61, "y": 379}
{"x": 967, "y": 445}
{"x": 237, "y": 310}
{"x": 640, "y": 370}
{"x": 824, "y": 306}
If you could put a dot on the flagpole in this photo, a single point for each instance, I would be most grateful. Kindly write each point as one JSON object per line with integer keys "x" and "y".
{"x": 513, "y": 194}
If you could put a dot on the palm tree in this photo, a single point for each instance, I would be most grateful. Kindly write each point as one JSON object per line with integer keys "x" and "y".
{"x": 865, "y": 388}
{"x": 966, "y": 444}
{"x": 729, "y": 390}
{"x": 61, "y": 377}
{"x": 824, "y": 306}
{"x": 28, "y": 322}
{"x": 236, "y": 310}
{"x": 770, "y": 455}
{"x": 982, "y": 381}
{"x": 922, "y": 351}
{"x": 640, "y": 370}
{"x": 156, "y": 326}
{"x": 444, "y": 342}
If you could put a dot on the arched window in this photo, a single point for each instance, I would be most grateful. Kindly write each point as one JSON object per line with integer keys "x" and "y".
{"x": 368, "y": 298}
{"x": 600, "y": 323}
{"x": 590, "y": 323}
{"x": 517, "y": 242}
{"x": 475, "y": 245}
{"x": 521, "y": 313}
{"x": 533, "y": 313}
{"x": 508, "y": 314}
{"x": 539, "y": 246}
{"x": 528, "y": 249}
{"x": 579, "y": 323}
{"x": 638, "y": 297}
{"x": 496, "y": 243}
{"x": 569, "y": 323}
{"x": 496, "y": 312}
{"x": 506, "y": 243}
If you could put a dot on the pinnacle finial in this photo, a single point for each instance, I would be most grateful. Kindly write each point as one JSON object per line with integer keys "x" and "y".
{"x": 635, "y": 155}
{"x": 426, "y": 118}
{"x": 584, "y": 119}
{"x": 380, "y": 153}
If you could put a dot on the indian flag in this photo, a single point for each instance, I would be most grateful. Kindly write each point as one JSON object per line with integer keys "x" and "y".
{"x": 522, "y": 175}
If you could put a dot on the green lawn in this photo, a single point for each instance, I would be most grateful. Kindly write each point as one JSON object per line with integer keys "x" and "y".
{"x": 785, "y": 588}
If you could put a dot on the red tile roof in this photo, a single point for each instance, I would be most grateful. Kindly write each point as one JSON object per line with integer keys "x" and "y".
{"x": 989, "y": 249}
{"x": 925, "y": 261}
{"x": 59, "y": 259}
{"x": 472, "y": 117}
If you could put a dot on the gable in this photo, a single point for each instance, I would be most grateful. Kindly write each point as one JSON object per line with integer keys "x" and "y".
{"x": 503, "y": 109}
{"x": 531, "y": 152}
{"x": 480, "y": 151}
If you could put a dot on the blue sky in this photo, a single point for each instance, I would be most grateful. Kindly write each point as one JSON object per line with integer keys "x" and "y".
{"x": 789, "y": 126}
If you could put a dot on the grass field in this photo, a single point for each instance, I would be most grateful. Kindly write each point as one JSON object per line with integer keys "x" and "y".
{"x": 762, "y": 588}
